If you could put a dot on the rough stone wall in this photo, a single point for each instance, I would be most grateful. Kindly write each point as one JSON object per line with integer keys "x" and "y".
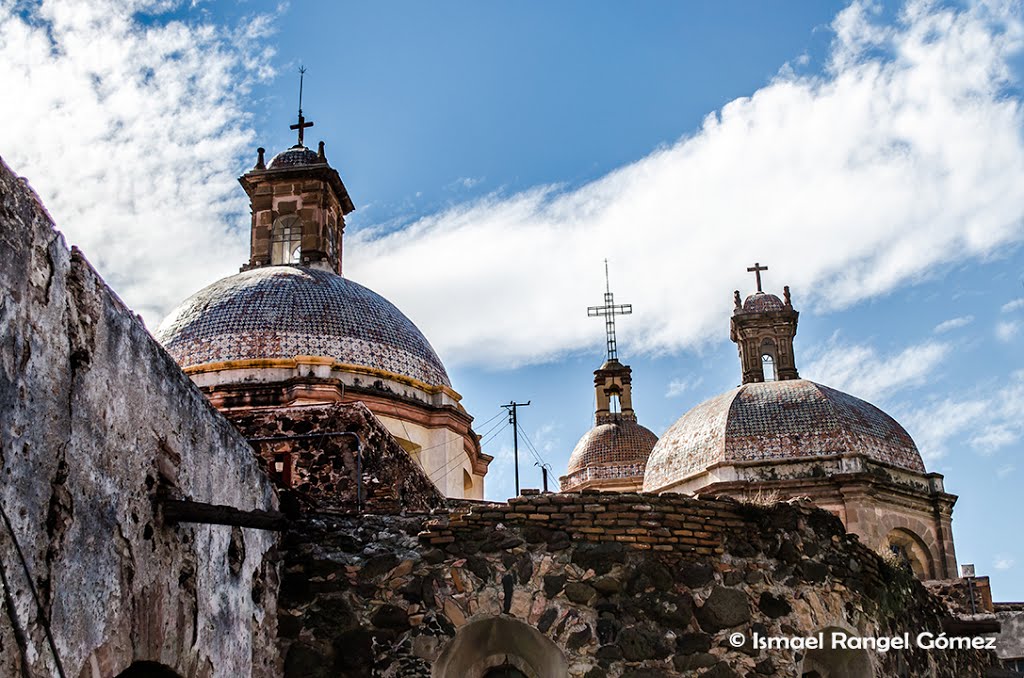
{"x": 321, "y": 470}
{"x": 1010, "y": 642}
{"x": 95, "y": 420}
{"x": 630, "y": 585}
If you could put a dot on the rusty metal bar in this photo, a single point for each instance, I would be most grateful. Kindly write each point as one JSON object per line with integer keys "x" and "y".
{"x": 187, "y": 511}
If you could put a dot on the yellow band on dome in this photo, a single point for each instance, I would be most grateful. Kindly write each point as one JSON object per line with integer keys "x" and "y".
{"x": 297, "y": 361}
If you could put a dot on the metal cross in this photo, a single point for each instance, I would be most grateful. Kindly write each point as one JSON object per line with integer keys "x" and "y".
{"x": 609, "y": 311}
{"x": 756, "y": 270}
{"x": 302, "y": 124}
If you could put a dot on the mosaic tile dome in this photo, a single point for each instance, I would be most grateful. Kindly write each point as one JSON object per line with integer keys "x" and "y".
{"x": 287, "y": 311}
{"x": 296, "y": 156}
{"x": 615, "y": 449}
{"x": 761, "y": 302}
{"x": 777, "y": 420}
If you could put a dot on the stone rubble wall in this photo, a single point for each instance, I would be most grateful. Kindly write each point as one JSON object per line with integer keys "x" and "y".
{"x": 627, "y": 585}
{"x": 322, "y": 470}
{"x": 95, "y": 420}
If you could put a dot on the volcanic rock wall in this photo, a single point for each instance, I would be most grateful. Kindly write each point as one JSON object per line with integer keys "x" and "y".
{"x": 95, "y": 421}
{"x": 630, "y": 585}
{"x": 313, "y": 451}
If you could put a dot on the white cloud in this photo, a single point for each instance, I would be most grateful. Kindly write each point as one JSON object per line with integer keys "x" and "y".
{"x": 859, "y": 370}
{"x": 907, "y": 154}
{"x": 987, "y": 421}
{"x": 1005, "y": 471}
{"x": 131, "y": 127}
{"x": 1015, "y": 305}
{"x": 1007, "y": 330}
{"x": 1003, "y": 563}
{"x": 953, "y": 324}
{"x": 678, "y": 387}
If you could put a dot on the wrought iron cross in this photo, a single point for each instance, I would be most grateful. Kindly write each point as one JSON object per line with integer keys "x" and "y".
{"x": 302, "y": 124}
{"x": 756, "y": 270}
{"x": 609, "y": 311}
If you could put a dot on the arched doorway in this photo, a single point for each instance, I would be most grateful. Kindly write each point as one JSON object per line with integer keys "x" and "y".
{"x": 147, "y": 670}
{"x": 836, "y": 662}
{"x": 500, "y": 647}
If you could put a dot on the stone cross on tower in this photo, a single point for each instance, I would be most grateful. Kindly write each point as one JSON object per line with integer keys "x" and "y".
{"x": 609, "y": 311}
{"x": 755, "y": 269}
{"x": 302, "y": 124}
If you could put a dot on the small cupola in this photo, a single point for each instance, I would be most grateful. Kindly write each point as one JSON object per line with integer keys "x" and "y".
{"x": 763, "y": 327}
{"x": 298, "y": 205}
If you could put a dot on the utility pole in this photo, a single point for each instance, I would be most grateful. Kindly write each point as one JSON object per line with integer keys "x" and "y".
{"x": 512, "y": 407}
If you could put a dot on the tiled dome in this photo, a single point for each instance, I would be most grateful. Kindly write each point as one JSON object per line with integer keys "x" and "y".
{"x": 777, "y": 420}
{"x": 288, "y": 311}
{"x": 615, "y": 449}
{"x": 296, "y": 156}
{"x": 761, "y": 302}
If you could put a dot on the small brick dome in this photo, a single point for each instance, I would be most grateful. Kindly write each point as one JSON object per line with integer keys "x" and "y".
{"x": 287, "y": 311}
{"x": 612, "y": 449}
{"x": 761, "y": 302}
{"x": 777, "y": 420}
{"x": 296, "y": 156}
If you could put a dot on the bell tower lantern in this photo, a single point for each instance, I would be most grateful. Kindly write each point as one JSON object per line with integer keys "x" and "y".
{"x": 763, "y": 327}
{"x": 298, "y": 204}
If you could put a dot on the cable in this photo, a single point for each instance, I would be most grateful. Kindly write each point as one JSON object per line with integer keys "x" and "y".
{"x": 455, "y": 463}
{"x": 492, "y": 418}
{"x": 533, "y": 450}
{"x": 35, "y": 595}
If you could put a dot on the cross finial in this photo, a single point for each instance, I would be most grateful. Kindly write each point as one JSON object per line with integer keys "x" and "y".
{"x": 302, "y": 124}
{"x": 756, "y": 270}
{"x": 609, "y": 310}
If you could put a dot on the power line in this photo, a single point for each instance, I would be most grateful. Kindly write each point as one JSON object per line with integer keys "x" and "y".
{"x": 455, "y": 463}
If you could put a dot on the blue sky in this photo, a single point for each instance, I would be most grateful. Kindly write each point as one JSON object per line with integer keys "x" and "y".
{"x": 871, "y": 156}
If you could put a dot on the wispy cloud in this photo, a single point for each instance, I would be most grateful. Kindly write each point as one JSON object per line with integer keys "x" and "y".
{"x": 860, "y": 370}
{"x": 1007, "y": 330}
{"x": 1005, "y": 471}
{"x": 905, "y": 154}
{"x": 678, "y": 387}
{"x": 1015, "y": 305}
{"x": 1003, "y": 563}
{"x": 953, "y": 324}
{"x": 986, "y": 421}
{"x": 132, "y": 128}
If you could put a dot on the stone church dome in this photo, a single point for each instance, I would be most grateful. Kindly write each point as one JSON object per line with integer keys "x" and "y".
{"x": 296, "y": 156}
{"x": 619, "y": 443}
{"x": 286, "y": 311}
{"x": 761, "y": 302}
{"x": 776, "y": 421}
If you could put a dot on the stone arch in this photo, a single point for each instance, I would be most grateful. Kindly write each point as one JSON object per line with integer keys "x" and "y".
{"x": 836, "y": 662}
{"x": 484, "y": 644}
{"x": 286, "y": 240}
{"x": 768, "y": 355}
{"x": 467, "y": 482}
{"x": 907, "y": 545}
{"x": 147, "y": 670}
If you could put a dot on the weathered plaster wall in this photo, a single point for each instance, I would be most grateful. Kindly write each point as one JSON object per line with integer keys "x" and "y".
{"x": 626, "y": 585}
{"x": 95, "y": 419}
